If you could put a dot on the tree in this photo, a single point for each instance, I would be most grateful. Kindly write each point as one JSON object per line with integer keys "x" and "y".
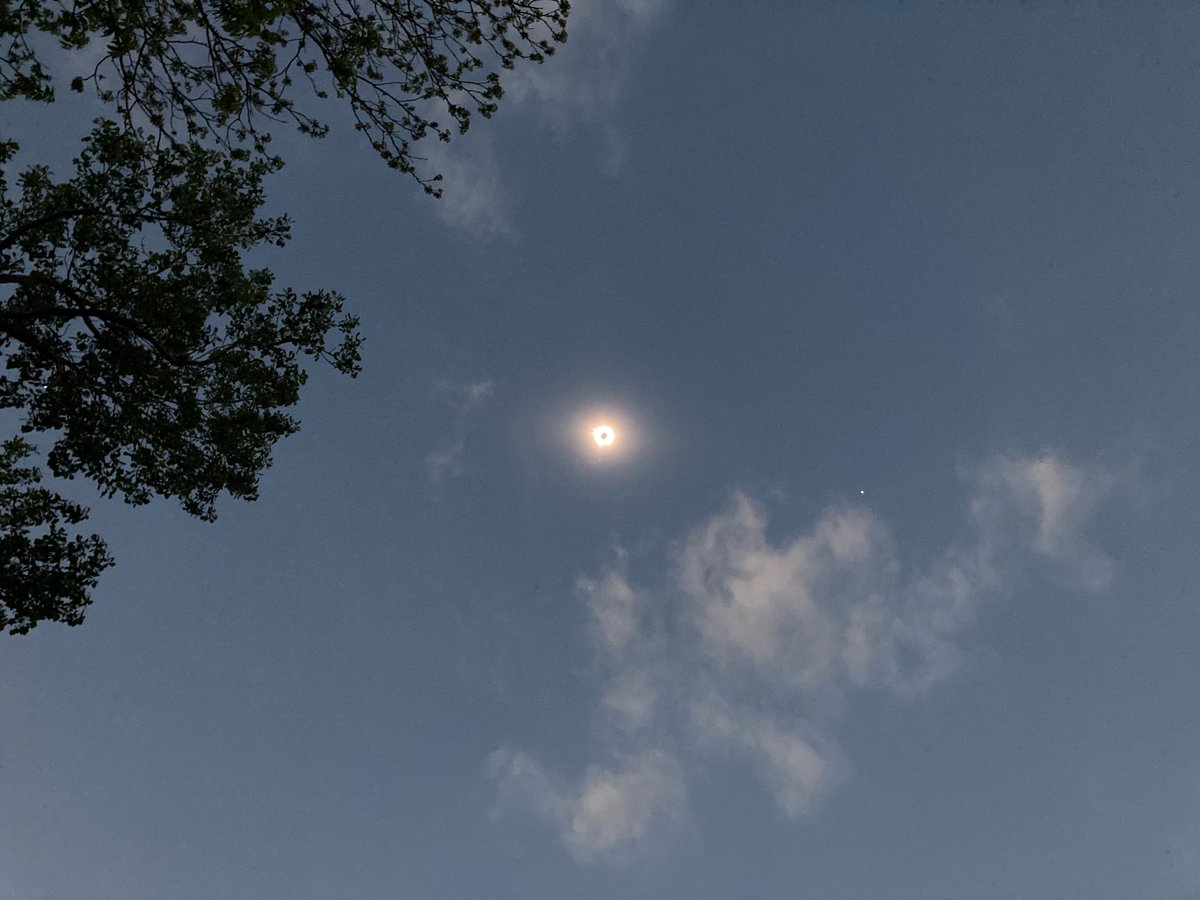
{"x": 225, "y": 70}
{"x": 134, "y": 335}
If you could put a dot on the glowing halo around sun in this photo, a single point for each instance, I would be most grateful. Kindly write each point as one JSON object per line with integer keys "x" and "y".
{"x": 603, "y": 435}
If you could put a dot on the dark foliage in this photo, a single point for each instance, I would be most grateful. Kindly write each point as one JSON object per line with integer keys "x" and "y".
{"x": 135, "y": 340}
{"x": 227, "y": 70}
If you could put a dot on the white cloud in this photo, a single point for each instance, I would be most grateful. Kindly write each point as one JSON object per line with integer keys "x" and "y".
{"x": 798, "y": 768}
{"x": 770, "y": 638}
{"x": 580, "y": 85}
{"x": 613, "y": 815}
{"x": 628, "y": 645}
{"x": 792, "y": 613}
{"x": 828, "y": 610}
{"x": 614, "y": 609}
{"x": 474, "y": 197}
{"x": 1051, "y": 502}
{"x": 583, "y": 81}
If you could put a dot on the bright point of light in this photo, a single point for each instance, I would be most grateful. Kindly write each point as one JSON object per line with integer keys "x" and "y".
{"x": 604, "y": 436}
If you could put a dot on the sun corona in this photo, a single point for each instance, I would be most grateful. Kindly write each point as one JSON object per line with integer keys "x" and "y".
{"x": 603, "y": 436}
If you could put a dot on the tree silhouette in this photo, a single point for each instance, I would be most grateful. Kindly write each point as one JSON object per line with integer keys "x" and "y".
{"x": 133, "y": 334}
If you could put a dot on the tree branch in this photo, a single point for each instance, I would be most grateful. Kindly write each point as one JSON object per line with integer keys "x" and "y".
{"x": 12, "y": 237}
{"x": 84, "y": 310}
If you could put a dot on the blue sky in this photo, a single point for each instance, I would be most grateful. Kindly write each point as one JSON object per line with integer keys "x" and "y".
{"x": 891, "y": 592}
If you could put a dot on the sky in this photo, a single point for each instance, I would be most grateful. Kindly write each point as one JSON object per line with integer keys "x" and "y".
{"x": 887, "y": 589}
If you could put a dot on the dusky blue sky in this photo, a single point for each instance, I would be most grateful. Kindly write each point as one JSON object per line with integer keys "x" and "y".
{"x": 895, "y": 596}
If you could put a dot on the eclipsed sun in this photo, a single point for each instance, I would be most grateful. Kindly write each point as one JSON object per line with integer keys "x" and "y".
{"x": 604, "y": 435}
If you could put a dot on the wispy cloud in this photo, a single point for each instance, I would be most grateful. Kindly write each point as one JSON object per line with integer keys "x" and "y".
{"x": 796, "y": 762}
{"x": 466, "y": 397}
{"x": 1051, "y": 502}
{"x": 751, "y": 646}
{"x": 581, "y": 85}
{"x": 446, "y": 463}
{"x": 613, "y": 815}
{"x": 629, "y": 645}
{"x": 584, "y": 81}
{"x": 474, "y": 197}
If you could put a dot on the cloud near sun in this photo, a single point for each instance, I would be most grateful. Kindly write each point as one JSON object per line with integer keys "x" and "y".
{"x": 798, "y": 625}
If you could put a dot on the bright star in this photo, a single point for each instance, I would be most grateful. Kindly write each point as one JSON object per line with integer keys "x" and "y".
{"x": 604, "y": 435}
